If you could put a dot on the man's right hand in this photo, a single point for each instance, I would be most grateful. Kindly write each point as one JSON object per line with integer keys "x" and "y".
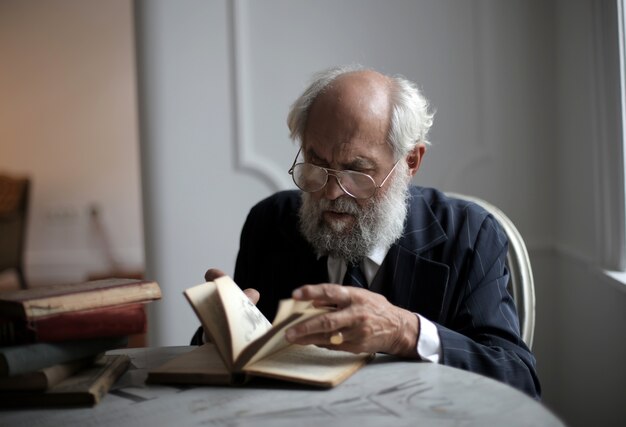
{"x": 213, "y": 273}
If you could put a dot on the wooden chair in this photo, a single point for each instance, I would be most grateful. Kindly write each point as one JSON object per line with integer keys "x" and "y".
{"x": 521, "y": 283}
{"x": 14, "y": 198}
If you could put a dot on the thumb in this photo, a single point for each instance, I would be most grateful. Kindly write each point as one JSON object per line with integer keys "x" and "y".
{"x": 212, "y": 274}
{"x": 252, "y": 294}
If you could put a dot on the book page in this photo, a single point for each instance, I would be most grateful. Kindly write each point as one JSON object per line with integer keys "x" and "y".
{"x": 289, "y": 313}
{"x": 309, "y": 365}
{"x": 287, "y": 307}
{"x": 244, "y": 320}
{"x": 208, "y": 307}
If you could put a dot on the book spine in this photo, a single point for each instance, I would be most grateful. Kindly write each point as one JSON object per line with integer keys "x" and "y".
{"x": 114, "y": 367}
{"x": 25, "y": 358}
{"x": 113, "y": 322}
{"x": 97, "y": 323}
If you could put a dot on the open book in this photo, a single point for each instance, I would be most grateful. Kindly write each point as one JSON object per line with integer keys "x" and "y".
{"x": 248, "y": 344}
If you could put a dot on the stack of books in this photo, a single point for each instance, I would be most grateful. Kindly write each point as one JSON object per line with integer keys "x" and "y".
{"x": 53, "y": 340}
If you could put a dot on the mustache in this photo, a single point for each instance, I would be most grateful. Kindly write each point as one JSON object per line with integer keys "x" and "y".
{"x": 344, "y": 204}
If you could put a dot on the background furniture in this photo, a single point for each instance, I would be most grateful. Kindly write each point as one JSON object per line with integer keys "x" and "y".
{"x": 521, "y": 284}
{"x": 14, "y": 195}
{"x": 386, "y": 392}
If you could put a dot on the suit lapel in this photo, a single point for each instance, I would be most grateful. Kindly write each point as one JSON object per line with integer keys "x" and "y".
{"x": 408, "y": 277}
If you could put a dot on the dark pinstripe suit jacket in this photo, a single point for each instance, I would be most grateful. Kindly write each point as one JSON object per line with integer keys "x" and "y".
{"x": 448, "y": 266}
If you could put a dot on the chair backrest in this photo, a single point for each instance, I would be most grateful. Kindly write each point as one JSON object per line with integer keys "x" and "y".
{"x": 14, "y": 195}
{"x": 521, "y": 283}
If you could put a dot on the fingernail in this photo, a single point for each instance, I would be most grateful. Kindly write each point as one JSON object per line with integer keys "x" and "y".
{"x": 297, "y": 294}
{"x": 290, "y": 335}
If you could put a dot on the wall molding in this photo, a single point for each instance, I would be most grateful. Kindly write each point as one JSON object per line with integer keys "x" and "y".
{"x": 247, "y": 160}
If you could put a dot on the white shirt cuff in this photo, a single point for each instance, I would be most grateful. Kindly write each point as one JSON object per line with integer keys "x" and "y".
{"x": 428, "y": 343}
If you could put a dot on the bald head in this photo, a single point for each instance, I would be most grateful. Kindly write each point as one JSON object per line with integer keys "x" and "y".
{"x": 355, "y": 106}
{"x": 364, "y": 93}
{"x": 394, "y": 104}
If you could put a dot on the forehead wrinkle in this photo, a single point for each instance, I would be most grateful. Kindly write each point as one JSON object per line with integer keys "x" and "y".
{"x": 357, "y": 162}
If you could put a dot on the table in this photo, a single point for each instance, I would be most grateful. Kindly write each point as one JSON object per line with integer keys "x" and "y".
{"x": 386, "y": 392}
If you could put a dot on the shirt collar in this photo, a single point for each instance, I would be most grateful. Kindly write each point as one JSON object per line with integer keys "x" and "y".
{"x": 370, "y": 265}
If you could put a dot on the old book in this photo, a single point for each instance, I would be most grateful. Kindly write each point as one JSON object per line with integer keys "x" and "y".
{"x": 45, "y": 378}
{"x": 76, "y": 325}
{"x": 43, "y": 301}
{"x": 202, "y": 365}
{"x": 85, "y": 388}
{"x": 246, "y": 343}
{"x": 21, "y": 359}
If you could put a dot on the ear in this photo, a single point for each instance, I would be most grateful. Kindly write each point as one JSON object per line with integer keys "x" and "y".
{"x": 414, "y": 158}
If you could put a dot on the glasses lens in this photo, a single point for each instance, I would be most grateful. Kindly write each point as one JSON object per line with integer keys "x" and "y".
{"x": 308, "y": 177}
{"x": 357, "y": 184}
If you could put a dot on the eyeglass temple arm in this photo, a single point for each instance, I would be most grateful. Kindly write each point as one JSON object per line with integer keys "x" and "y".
{"x": 389, "y": 174}
{"x": 290, "y": 171}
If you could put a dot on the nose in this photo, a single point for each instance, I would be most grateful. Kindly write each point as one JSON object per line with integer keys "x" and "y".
{"x": 333, "y": 190}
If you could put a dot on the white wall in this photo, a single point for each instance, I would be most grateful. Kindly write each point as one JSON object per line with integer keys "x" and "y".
{"x": 68, "y": 119}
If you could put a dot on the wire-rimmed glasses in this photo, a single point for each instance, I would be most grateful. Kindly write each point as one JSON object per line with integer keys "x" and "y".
{"x": 311, "y": 178}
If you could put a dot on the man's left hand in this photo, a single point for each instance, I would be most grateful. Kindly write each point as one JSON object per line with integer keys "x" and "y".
{"x": 367, "y": 321}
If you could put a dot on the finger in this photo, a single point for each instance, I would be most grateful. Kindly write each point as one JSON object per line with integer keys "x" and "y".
{"x": 212, "y": 274}
{"x": 324, "y": 341}
{"x": 324, "y": 324}
{"x": 346, "y": 346}
{"x": 326, "y": 294}
{"x": 321, "y": 339}
{"x": 252, "y": 294}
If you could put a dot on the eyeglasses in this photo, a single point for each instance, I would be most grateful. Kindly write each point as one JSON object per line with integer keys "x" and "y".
{"x": 311, "y": 178}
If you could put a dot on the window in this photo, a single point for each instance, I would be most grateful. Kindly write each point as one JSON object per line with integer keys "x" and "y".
{"x": 621, "y": 19}
{"x": 610, "y": 78}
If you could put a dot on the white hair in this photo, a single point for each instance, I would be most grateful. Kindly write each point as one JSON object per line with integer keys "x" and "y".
{"x": 410, "y": 116}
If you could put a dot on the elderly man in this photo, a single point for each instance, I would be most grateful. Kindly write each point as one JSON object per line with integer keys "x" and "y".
{"x": 423, "y": 275}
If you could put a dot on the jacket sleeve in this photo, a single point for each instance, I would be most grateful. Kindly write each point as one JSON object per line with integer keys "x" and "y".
{"x": 483, "y": 335}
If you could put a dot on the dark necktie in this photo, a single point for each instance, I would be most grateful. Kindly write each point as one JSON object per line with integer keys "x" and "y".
{"x": 354, "y": 277}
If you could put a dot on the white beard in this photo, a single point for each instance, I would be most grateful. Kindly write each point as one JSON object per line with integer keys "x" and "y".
{"x": 377, "y": 224}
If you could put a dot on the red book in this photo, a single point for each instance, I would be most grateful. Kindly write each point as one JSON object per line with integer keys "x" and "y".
{"x": 113, "y": 321}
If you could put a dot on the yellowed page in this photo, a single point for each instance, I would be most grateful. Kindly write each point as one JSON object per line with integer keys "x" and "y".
{"x": 205, "y": 301}
{"x": 244, "y": 320}
{"x": 287, "y": 307}
{"x": 309, "y": 365}
{"x": 289, "y": 313}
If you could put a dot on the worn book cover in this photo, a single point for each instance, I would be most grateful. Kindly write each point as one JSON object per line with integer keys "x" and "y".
{"x": 43, "y": 301}
{"x": 95, "y": 323}
{"x": 246, "y": 343}
{"x": 45, "y": 378}
{"x": 85, "y": 388}
{"x": 21, "y": 359}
